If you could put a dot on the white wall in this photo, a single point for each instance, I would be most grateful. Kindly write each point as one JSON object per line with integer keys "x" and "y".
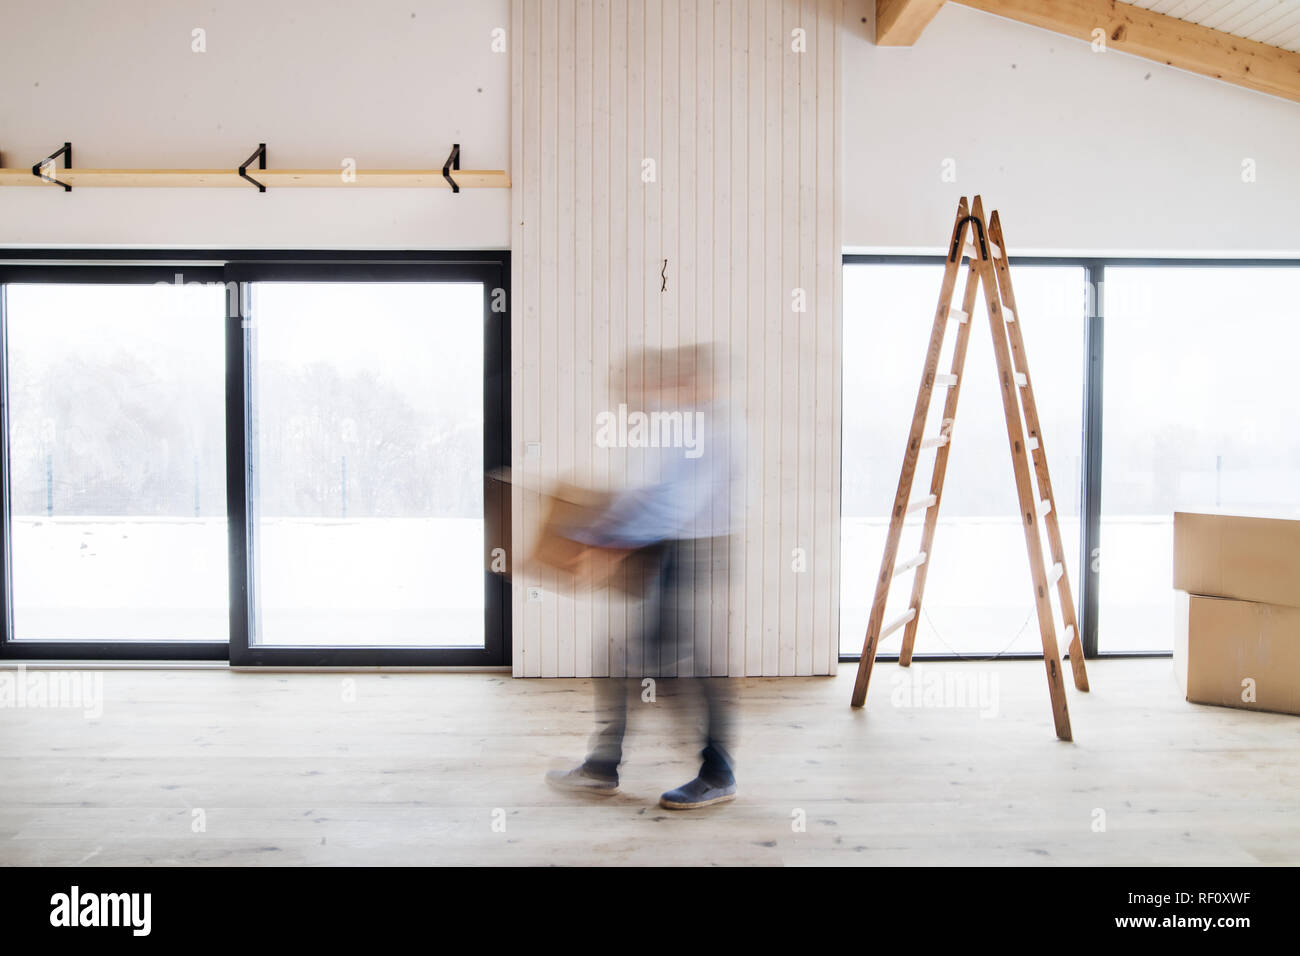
{"x": 1081, "y": 151}
{"x": 390, "y": 83}
{"x": 744, "y": 207}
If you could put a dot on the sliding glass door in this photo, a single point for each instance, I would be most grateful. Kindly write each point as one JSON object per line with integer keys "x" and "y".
{"x": 116, "y": 499}
{"x": 367, "y": 451}
{"x": 1163, "y": 385}
{"x": 263, "y": 458}
{"x": 1199, "y": 415}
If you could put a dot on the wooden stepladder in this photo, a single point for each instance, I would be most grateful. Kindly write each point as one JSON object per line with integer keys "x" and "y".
{"x": 987, "y": 256}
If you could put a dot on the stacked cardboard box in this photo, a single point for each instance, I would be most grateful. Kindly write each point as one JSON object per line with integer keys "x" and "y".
{"x": 1237, "y": 641}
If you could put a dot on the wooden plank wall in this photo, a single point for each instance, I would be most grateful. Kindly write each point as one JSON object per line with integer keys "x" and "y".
{"x": 744, "y": 132}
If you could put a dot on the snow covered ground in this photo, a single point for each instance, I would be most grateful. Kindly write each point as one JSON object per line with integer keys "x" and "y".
{"x": 411, "y": 582}
{"x": 419, "y": 582}
{"x": 978, "y": 596}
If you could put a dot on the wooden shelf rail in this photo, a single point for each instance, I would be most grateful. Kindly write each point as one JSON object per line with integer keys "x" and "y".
{"x": 450, "y": 176}
{"x": 273, "y": 178}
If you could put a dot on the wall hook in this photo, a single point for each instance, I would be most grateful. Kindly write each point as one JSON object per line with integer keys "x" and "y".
{"x": 453, "y": 162}
{"x": 260, "y": 155}
{"x": 66, "y": 153}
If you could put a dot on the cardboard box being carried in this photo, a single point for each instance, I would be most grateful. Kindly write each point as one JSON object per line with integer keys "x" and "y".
{"x": 1250, "y": 559}
{"x": 1238, "y": 653}
{"x": 569, "y": 506}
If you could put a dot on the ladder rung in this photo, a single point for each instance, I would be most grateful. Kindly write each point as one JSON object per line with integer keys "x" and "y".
{"x": 958, "y": 314}
{"x": 1055, "y": 574}
{"x": 897, "y": 622}
{"x": 920, "y": 504}
{"x": 1022, "y": 379}
{"x": 1066, "y": 639}
{"x": 909, "y": 564}
{"x": 935, "y": 442}
{"x": 948, "y": 380}
{"x": 1032, "y": 444}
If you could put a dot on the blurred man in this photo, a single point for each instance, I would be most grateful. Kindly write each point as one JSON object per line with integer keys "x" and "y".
{"x": 680, "y": 527}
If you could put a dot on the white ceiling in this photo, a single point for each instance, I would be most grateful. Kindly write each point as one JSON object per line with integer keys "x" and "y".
{"x": 1276, "y": 22}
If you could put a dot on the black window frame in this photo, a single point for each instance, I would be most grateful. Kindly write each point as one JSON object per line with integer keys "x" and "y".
{"x": 235, "y": 269}
{"x": 1092, "y": 437}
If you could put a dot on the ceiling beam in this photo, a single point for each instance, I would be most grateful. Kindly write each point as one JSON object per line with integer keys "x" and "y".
{"x": 1168, "y": 40}
{"x": 900, "y": 22}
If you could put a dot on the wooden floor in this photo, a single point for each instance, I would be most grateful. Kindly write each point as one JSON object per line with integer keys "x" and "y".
{"x": 447, "y": 768}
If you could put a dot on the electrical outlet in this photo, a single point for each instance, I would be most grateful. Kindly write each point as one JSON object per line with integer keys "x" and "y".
{"x": 534, "y": 595}
{"x": 532, "y": 450}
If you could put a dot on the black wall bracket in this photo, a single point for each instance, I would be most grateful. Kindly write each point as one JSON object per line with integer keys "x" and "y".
{"x": 259, "y": 154}
{"x": 38, "y": 169}
{"x": 453, "y": 162}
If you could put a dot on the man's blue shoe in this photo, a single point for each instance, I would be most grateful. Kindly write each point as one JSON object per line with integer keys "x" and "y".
{"x": 697, "y": 793}
{"x": 579, "y": 780}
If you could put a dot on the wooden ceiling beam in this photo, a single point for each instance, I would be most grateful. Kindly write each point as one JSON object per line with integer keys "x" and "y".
{"x": 900, "y": 22}
{"x": 1165, "y": 39}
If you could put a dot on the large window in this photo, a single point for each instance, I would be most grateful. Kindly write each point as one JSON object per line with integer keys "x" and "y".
{"x": 117, "y": 464}
{"x": 260, "y": 457}
{"x": 369, "y": 463}
{"x": 1199, "y": 415}
{"x": 979, "y": 598}
{"x": 1162, "y": 385}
